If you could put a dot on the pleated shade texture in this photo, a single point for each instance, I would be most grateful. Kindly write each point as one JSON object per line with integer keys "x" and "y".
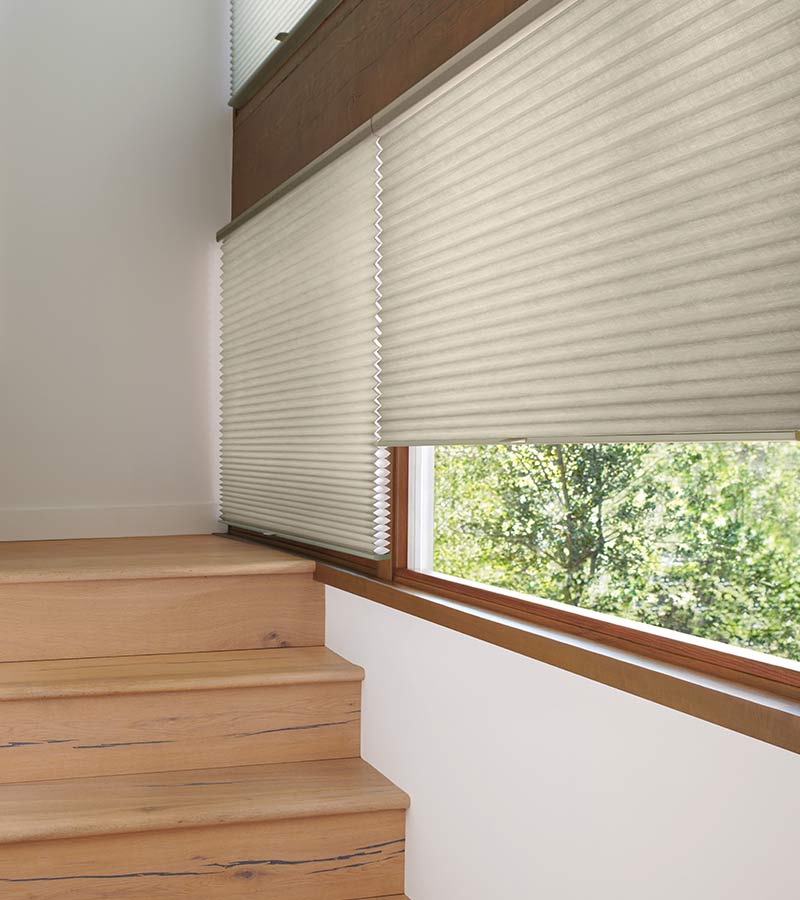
{"x": 299, "y": 456}
{"x": 594, "y": 232}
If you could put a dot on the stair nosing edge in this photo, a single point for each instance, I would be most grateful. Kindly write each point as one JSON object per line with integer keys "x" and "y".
{"x": 301, "y": 567}
{"x": 343, "y": 672}
{"x": 393, "y": 799}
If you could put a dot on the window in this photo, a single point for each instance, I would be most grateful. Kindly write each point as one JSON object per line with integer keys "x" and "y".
{"x": 571, "y": 264}
{"x": 257, "y": 29}
{"x": 700, "y": 538}
{"x": 589, "y": 308}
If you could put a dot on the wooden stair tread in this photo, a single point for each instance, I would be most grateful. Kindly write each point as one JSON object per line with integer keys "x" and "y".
{"x": 179, "y": 556}
{"x": 202, "y": 797}
{"x": 173, "y": 672}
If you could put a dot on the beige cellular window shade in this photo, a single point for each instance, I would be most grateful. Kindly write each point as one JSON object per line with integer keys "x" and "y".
{"x": 594, "y": 231}
{"x": 255, "y": 25}
{"x": 299, "y": 451}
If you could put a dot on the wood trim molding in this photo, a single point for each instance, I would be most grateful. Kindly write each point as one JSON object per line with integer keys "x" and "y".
{"x": 766, "y": 716}
{"x": 316, "y": 165}
{"x": 379, "y": 568}
{"x": 398, "y": 509}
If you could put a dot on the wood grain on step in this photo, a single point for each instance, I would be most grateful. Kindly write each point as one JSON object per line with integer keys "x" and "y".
{"x": 173, "y": 672}
{"x": 75, "y": 737}
{"x": 181, "y": 556}
{"x": 61, "y": 619}
{"x": 298, "y": 859}
{"x": 193, "y": 798}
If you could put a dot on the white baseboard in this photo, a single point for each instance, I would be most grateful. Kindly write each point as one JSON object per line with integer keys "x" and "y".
{"x": 57, "y": 523}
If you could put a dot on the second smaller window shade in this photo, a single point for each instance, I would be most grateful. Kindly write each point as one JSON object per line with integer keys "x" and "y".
{"x": 255, "y": 25}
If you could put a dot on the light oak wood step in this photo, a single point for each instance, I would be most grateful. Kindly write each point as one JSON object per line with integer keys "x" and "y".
{"x": 102, "y": 716}
{"x": 78, "y": 807}
{"x": 172, "y": 672}
{"x": 299, "y": 831}
{"x": 119, "y": 597}
{"x": 176, "y": 556}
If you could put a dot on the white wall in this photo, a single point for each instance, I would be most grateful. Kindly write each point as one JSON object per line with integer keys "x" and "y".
{"x": 114, "y": 176}
{"x": 530, "y": 783}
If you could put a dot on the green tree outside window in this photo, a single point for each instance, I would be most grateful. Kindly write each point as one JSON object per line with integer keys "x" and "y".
{"x": 702, "y": 538}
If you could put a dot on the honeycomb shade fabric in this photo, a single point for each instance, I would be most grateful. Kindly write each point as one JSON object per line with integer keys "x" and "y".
{"x": 255, "y": 25}
{"x": 594, "y": 231}
{"x": 299, "y": 456}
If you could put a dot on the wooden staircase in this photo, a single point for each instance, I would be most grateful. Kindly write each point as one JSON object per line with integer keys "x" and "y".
{"x": 171, "y": 726}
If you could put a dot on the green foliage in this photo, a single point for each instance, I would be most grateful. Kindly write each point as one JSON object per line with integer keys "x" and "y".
{"x": 700, "y": 538}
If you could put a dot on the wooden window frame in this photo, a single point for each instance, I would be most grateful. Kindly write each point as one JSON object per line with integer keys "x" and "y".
{"x": 728, "y": 663}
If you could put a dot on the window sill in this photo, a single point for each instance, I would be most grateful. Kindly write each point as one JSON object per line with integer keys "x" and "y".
{"x": 768, "y": 716}
{"x": 379, "y": 568}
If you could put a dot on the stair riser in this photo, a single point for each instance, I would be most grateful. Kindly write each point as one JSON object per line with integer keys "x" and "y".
{"x": 45, "y": 739}
{"x": 79, "y": 619}
{"x": 336, "y": 857}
